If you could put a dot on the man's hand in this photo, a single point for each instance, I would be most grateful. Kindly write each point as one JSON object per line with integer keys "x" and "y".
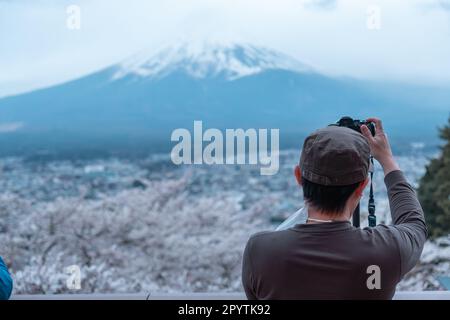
{"x": 379, "y": 146}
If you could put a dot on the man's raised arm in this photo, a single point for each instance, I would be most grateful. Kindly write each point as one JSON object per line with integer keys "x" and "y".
{"x": 407, "y": 215}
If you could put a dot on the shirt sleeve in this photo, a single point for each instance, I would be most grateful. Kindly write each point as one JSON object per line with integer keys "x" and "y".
{"x": 408, "y": 220}
{"x": 247, "y": 273}
{"x": 6, "y": 283}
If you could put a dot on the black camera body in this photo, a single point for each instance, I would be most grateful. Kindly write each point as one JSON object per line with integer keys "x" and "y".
{"x": 356, "y": 124}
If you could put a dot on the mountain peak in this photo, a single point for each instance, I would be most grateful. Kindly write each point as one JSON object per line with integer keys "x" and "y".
{"x": 208, "y": 60}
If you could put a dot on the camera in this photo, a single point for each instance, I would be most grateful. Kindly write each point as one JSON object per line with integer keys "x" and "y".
{"x": 355, "y": 124}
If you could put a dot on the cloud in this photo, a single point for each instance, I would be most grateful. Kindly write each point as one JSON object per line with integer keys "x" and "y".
{"x": 321, "y": 4}
{"x": 38, "y": 50}
{"x": 444, "y": 4}
{"x": 10, "y": 127}
{"x": 437, "y": 5}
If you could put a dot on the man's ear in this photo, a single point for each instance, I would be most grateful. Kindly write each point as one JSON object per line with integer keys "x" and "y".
{"x": 359, "y": 191}
{"x": 298, "y": 174}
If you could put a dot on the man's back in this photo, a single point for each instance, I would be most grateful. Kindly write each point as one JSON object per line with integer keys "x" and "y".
{"x": 335, "y": 260}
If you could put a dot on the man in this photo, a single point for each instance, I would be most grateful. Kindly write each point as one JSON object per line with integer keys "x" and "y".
{"x": 5, "y": 281}
{"x": 326, "y": 257}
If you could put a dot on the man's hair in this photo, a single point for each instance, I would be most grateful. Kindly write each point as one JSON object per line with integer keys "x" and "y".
{"x": 327, "y": 198}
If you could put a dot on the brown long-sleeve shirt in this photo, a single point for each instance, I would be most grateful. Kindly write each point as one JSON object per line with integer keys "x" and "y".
{"x": 336, "y": 260}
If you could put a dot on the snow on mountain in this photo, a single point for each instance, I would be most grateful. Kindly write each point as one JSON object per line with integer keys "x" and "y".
{"x": 208, "y": 60}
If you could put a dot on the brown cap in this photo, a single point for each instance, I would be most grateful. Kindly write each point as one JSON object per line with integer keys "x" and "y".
{"x": 335, "y": 156}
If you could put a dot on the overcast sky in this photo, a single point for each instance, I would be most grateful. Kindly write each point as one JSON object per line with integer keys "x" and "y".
{"x": 412, "y": 43}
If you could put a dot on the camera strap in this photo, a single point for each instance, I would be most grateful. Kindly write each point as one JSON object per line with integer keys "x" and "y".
{"x": 372, "y": 218}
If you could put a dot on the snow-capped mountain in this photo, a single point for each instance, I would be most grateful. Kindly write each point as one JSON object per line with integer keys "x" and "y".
{"x": 206, "y": 59}
{"x": 138, "y": 103}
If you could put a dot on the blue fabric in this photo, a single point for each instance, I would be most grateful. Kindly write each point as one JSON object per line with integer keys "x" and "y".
{"x": 6, "y": 283}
